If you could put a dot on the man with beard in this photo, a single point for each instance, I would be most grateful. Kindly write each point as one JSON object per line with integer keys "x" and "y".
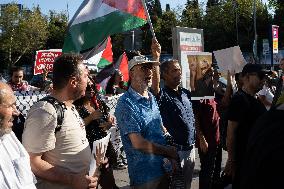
{"x": 15, "y": 169}
{"x": 60, "y": 156}
{"x": 177, "y": 114}
{"x": 141, "y": 130}
{"x": 243, "y": 111}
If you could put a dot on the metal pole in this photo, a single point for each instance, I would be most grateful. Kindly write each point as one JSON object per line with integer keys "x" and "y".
{"x": 133, "y": 39}
{"x": 67, "y": 12}
{"x": 237, "y": 29}
{"x": 255, "y": 33}
{"x": 271, "y": 45}
{"x": 149, "y": 19}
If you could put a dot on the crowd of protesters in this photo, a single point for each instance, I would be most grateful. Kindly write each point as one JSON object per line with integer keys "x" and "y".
{"x": 160, "y": 127}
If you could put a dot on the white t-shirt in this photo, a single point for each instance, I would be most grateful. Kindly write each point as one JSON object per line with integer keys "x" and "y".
{"x": 265, "y": 91}
{"x": 15, "y": 169}
{"x": 67, "y": 148}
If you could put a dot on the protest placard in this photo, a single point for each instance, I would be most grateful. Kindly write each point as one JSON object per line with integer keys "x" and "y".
{"x": 45, "y": 59}
{"x": 101, "y": 147}
{"x": 196, "y": 67}
{"x": 230, "y": 59}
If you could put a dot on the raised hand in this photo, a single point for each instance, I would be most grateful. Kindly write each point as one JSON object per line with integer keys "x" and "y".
{"x": 156, "y": 49}
{"x": 100, "y": 154}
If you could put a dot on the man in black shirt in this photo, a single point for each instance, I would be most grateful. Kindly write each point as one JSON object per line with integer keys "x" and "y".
{"x": 177, "y": 114}
{"x": 263, "y": 164}
{"x": 243, "y": 111}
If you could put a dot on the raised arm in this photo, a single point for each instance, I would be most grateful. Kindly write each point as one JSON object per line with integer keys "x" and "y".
{"x": 229, "y": 90}
{"x": 156, "y": 52}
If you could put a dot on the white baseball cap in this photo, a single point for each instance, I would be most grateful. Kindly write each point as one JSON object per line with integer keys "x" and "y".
{"x": 141, "y": 59}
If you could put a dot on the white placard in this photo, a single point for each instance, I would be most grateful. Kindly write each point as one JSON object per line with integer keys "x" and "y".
{"x": 103, "y": 143}
{"x": 230, "y": 59}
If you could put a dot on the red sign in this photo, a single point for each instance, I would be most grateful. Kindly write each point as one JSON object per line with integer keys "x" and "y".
{"x": 45, "y": 59}
{"x": 191, "y": 48}
{"x": 275, "y": 38}
{"x": 275, "y": 31}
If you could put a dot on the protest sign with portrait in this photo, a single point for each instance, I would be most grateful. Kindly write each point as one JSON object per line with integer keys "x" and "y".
{"x": 197, "y": 69}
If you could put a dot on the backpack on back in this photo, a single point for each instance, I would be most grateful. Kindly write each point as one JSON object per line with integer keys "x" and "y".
{"x": 19, "y": 121}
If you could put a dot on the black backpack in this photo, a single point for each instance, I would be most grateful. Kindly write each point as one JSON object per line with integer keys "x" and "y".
{"x": 19, "y": 121}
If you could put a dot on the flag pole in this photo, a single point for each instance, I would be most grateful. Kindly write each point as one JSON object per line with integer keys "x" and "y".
{"x": 149, "y": 19}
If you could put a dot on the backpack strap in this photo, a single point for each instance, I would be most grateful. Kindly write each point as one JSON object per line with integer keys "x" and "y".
{"x": 59, "y": 107}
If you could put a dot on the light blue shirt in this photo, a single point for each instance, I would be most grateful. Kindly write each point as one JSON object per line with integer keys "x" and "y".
{"x": 137, "y": 114}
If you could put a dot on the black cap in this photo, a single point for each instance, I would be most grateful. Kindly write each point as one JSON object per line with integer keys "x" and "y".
{"x": 254, "y": 68}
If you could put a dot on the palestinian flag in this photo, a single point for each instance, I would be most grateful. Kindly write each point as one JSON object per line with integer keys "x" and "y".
{"x": 105, "y": 73}
{"x": 122, "y": 65}
{"x": 99, "y": 57}
{"x": 97, "y": 19}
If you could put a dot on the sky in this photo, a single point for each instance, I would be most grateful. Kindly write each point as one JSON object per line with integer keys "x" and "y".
{"x": 61, "y": 5}
{"x": 73, "y": 5}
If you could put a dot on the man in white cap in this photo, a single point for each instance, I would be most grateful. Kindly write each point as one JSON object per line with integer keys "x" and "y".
{"x": 141, "y": 129}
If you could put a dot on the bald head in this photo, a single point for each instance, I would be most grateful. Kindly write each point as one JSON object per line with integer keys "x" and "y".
{"x": 7, "y": 109}
{"x": 5, "y": 91}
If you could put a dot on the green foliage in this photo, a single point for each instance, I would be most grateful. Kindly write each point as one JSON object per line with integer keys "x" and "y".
{"x": 57, "y": 27}
{"x": 154, "y": 8}
{"x": 9, "y": 20}
{"x": 212, "y": 3}
{"x": 218, "y": 33}
{"x": 22, "y": 33}
{"x": 164, "y": 30}
{"x": 117, "y": 44}
{"x": 158, "y": 8}
{"x": 220, "y": 30}
{"x": 192, "y": 15}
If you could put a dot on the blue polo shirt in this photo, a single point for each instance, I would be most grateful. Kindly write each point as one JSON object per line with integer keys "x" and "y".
{"x": 177, "y": 114}
{"x": 137, "y": 114}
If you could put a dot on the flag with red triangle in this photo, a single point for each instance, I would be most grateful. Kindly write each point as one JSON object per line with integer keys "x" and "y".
{"x": 122, "y": 65}
{"x": 99, "y": 57}
{"x": 97, "y": 19}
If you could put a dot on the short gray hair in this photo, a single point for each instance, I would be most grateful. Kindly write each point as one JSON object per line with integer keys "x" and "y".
{"x": 165, "y": 65}
{"x": 4, "y": 90}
